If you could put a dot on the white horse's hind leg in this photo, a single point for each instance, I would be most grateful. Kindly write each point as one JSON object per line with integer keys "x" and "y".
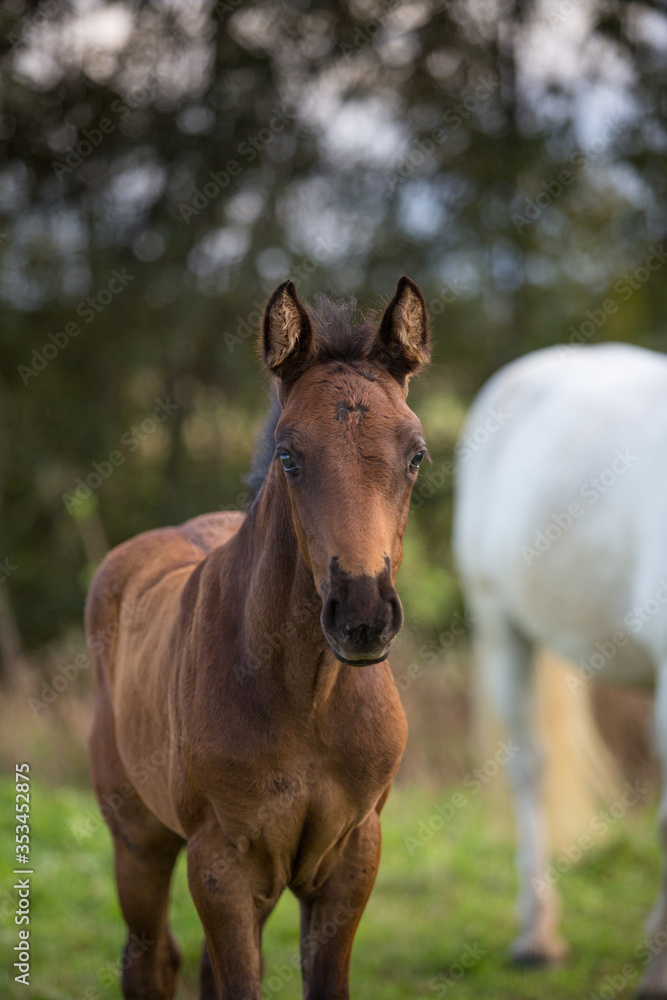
{"x": 654, "y": 984}
{"x": 505, "y": 662}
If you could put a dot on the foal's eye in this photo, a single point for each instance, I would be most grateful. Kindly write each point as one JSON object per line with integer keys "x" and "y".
{"x": 287, "y": 462}
{"x": 417, "y": 460}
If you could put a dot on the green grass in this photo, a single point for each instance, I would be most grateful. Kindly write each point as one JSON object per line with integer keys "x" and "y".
{"x": 451, "y": 894}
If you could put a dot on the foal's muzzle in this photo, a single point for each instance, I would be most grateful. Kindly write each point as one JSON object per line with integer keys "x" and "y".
{"x": 361, "y": 615}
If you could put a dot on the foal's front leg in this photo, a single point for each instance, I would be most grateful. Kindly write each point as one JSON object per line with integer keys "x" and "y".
{"x": 330, "y": 915}
{"x": 227, "y": 887}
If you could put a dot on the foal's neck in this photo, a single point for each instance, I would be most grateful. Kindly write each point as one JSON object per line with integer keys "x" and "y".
{"x": 283, "y": 607}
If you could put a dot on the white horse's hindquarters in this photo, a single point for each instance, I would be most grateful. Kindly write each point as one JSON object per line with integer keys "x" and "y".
{"x": 561, "y": 511}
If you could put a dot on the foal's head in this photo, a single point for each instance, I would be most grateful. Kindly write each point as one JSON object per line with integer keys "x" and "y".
{"x": 349, "y": 448}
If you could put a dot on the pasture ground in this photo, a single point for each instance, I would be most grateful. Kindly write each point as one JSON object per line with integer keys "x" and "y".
{"x": 437, "y": 925}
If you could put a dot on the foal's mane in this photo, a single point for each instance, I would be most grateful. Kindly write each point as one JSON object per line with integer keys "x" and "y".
{"x": 339, "y": 336}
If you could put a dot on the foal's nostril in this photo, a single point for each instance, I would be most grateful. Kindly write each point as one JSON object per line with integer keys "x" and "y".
{"x": 395, "y": 616}
{"x": 329, "y": 613}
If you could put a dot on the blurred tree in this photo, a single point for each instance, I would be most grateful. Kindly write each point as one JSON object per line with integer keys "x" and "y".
{"x": 164, "y": 165}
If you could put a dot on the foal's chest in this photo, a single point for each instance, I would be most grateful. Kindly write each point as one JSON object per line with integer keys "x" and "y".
{"x": 305, "y": 812}
{"x": 296, "y": 800}
{"x": 315, "y": 784}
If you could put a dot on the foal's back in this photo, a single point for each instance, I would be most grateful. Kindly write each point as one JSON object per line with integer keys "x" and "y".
{"x": 151, "y": 564}
{"x": 133, "y": 613}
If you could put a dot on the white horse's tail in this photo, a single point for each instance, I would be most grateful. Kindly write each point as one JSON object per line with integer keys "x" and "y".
{"x": 580, "y": 775}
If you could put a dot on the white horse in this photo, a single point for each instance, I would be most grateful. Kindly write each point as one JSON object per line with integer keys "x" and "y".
{"x": 560, "y": 536}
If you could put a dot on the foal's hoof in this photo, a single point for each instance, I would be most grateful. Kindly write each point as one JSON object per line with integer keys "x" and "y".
{"x": 533, "y": 953}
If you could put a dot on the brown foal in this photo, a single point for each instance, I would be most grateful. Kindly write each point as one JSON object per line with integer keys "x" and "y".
{"x": 245, "y": 706}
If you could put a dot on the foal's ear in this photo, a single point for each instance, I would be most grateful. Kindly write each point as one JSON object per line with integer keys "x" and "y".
{"x": 287, "y": 335}
{"x": 402, "y": 342}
